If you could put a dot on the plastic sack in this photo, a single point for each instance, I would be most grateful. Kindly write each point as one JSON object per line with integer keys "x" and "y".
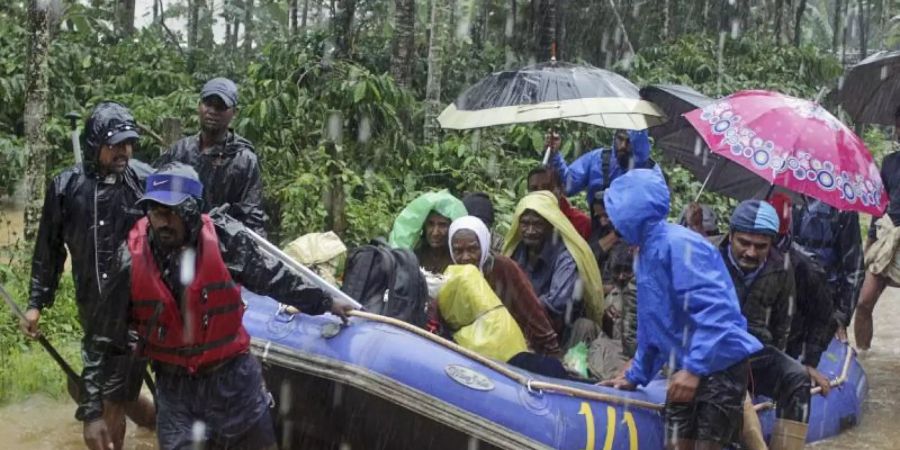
{"x": 576, "y": 359}
{"x": 468, "y": 304}
{"x": 323, "y": 253}
{"x": 407, "y": 227}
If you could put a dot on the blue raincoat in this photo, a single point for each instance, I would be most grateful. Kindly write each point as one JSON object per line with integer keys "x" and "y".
{"x": 688, "y": 312}
{"x": 586, "y": 172}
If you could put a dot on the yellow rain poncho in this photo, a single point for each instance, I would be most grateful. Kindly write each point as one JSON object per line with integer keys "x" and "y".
{"x": 547, "y": 205}
{"x": 468, "y": 305}
{"x": 408, "y": 225}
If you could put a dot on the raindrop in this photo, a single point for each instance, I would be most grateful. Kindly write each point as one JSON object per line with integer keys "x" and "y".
{"x": 328, "y": 53}
{"x": 604, "y": 41}
{"x": 369, "y": 176}
{"x": 626, "y": 60}
{"x": 578, "y": 290}
{"x": 285, "y": 395}
{"x": 476, "y": 140}
{"x": 555, "y": 238}
{"x": 492, "y": 170}
{"x": 636, "y": 11}
{"x": 730, "y": 2}
{"x": 768, "y": 315}
{"x": 705, "y": 159}
{"x": 198, "y": 434}
{"x": 345, "y": 446}
{"x": 335, "y": 126}
{"x": 802, "y": 71}
{"x": 720, "y": 58}
{"x": 884, "y": 72}
{"x": 188, "y": 266}
{"x": 685, "y": 336}
{"x": 365, "y": 130}
{"x": 617, "y": 36}
{"x": 473, "y": 444}
{"x": 840, "y": 84}
{"x": 735, "y": 28}
{"x": 698, "y": 146}
{"x": 672, "y": 357}
{"x": 510, "y": 24}
{"x": 338, "y": 398}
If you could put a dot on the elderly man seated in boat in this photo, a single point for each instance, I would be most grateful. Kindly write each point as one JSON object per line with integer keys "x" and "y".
{"x": 688, "y": 318}
{"x": 423, "y": 225}
{"x": 557, "y": 260}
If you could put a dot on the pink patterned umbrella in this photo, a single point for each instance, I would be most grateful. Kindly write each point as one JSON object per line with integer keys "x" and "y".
{"x": 795, "y": 144}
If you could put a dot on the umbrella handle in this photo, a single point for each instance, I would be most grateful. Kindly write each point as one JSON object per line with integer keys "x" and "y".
{"x": 546, "y": 156}
{"x": 705, "y": 181}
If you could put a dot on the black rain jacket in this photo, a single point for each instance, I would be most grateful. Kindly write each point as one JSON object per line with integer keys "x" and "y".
{"x": 230, "y": 174}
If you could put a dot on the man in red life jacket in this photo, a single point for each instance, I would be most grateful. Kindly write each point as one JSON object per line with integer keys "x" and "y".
{"x": 183, "y": 271}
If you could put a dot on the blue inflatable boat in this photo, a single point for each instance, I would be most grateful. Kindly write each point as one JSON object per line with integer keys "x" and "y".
{"x": 379, "y": 385}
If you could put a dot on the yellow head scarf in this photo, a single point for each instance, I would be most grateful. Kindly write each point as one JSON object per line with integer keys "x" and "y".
{"x": 547, "y": 205}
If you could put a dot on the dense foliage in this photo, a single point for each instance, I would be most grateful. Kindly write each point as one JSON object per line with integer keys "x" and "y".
{"x": 341, "y": 143}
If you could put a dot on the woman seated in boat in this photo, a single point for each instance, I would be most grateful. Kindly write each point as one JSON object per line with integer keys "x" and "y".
{"x": 469, "y": 242}
{"x": 422, "y": 227}
{"x": 478, "y": 320}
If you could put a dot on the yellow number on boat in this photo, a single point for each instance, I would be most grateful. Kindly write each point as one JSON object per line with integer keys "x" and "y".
{"x": 610, "y": 428}
{"x": 589, "y": 421}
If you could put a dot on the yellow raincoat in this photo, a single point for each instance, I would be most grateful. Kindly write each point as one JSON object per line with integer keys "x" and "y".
{"x": 547, "y": 205}
{"x": 468, "y": 305}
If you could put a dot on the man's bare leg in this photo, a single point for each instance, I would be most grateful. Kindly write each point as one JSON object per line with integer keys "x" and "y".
{"x": 872, "y": 288}
{"x": 142, "y": 412}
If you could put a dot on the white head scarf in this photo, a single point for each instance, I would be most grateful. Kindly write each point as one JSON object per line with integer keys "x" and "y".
{"x": 476, "y": 226}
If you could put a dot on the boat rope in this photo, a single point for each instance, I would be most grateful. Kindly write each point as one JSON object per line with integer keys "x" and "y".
{"x": 542, "y": 386}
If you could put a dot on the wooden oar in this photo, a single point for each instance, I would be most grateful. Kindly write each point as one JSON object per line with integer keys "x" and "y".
{"x": 73, "y": 380}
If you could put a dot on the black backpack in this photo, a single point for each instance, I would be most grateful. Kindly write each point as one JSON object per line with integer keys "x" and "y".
{"x": 387, "y": 281}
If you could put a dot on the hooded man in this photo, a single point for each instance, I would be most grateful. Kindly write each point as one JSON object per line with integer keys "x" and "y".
{"x": 687, "y": 317}
{"x": 226, "y": 162}
{"x": 423, "y": 227}
{"x": 88, "y": 209}
{"x": 556, "y": 259}
{"x": 595, "y": 170}
{"x": 765, "y": 286}
{"x": 183, "y": 270}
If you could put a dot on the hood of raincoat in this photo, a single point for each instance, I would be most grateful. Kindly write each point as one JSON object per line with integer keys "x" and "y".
{"x": 481, "y": 322}
{"x": 547, "y": 205}
{"x": 640, "y": 148}
{"x": 407, "y": 227}
{"x": 635, "y": 202}
{"x": 107, "y": 120}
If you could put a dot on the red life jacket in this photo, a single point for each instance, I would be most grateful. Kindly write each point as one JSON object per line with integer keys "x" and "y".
{"x": 213, "y": 331}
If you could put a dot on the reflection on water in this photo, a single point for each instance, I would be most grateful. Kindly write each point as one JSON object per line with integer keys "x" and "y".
{"x": 40, "y": 423}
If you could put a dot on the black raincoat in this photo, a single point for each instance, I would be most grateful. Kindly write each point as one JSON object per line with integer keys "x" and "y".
{"x": 811, "y": 327}
{"x": 248, "y": 265}
{"x": 90, "y": 215}
{"x": 230, "y": 173}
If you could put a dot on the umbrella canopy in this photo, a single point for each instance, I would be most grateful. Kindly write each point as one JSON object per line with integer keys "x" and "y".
{"x": 795, "y": 144}
{"x": 550, "y": 91}
{"x": 680, "y": 143}
{"x": 870, "y": 92}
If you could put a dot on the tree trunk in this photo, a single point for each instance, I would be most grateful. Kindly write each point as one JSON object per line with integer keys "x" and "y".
{"x": 798, "y": 23}
{"x": 439, "y": 33}
{"x": 205, "y": 38}
{"x": 249, "y": 28}
{"x": 404, "y": 45}
{"x": 193, "y": 23}
{"x": 125, "y": 17}
{"x": 836, "y": 26}
{"x": 171, "y": 132}
{"x": 665, "y": 25}
{"x": 155, "y": 10}
{"x": 545, "y": 37}
{"x": 294, "y": 13}
{"x": 305, "y": 14}
{"x": 344, "y": 27}
{"x": 37, "y": 148}
{"x": 779, "y": 14}
{"x": 863, "y": 29}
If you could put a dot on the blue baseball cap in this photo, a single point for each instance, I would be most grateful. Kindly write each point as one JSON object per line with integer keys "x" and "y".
{"x": 172, "y": 185}
{"x": 755, "y": 216}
